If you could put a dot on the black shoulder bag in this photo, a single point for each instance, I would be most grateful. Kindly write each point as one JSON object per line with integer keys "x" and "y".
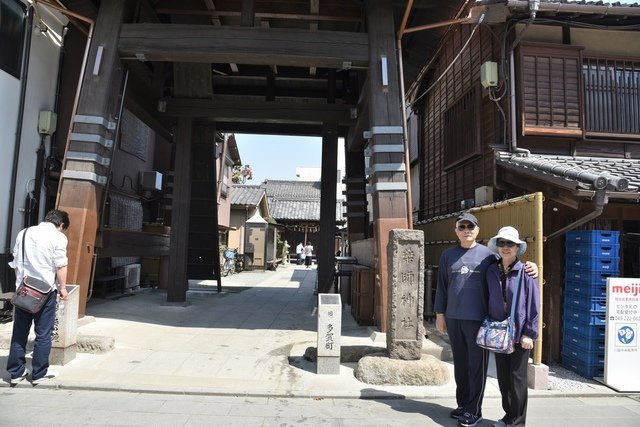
{"x": 31, "y": 293}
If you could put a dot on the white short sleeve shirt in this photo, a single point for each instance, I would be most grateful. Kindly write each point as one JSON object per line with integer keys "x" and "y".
{"x": 45, "y": 251}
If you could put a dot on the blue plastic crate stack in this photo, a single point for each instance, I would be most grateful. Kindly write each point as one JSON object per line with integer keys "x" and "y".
{"x": 590, "y": 258}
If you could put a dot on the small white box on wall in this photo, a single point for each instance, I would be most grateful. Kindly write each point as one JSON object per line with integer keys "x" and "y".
{"x": 47, "y": 122}
{"x": 151, "y": 180}
{"x": 484, "y": 195}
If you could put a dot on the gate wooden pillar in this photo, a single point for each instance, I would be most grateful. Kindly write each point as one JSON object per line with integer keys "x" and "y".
{"x": 385, "y": 149}
{"x": 180, "y": 208}
{"x": 356, "y": 195}
{"x": 328, "y": 183}
{"x": 91, "y": 143}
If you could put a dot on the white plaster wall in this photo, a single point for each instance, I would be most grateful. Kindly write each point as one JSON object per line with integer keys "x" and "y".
{"x": 618, "y": 43}
{"x": 595, "y": 42}
{"x": 40, "y": 95}
{"x": 10, "y": 90}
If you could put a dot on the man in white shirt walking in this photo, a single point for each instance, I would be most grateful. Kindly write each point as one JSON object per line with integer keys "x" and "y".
{"x": 300, "y": 252}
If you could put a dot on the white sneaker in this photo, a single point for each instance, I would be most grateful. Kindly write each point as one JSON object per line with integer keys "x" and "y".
{"x": 16, "y": 381}
{"x": 48, "y": 376}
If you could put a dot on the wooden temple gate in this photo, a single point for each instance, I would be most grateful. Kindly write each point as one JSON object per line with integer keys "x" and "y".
{"x": 370, "y": 120}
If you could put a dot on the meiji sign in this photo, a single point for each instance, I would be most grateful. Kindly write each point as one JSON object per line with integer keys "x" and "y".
{"x": 632, "y": 289}
{"x": 622, "y": 355}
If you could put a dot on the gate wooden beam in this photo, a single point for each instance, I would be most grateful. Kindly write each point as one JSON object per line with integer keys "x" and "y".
{"x": 243, "y": 45}
{"x": 132, "y": 243}
{"x": 259, "y": 111}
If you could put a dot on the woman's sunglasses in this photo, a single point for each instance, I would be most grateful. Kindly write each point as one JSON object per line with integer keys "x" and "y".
{"x": 462, "y": 227}
{"x": 503, "y": 243}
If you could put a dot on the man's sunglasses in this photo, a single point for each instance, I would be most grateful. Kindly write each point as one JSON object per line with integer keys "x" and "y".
{"x": 462, "y": 227}
{"x": 503, "y": 243}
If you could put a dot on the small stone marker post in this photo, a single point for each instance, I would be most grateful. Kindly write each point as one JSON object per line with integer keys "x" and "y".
{"x": 329, "y": 331}
{"x": 65, "y": 328}
{"x": 405, "y": 255}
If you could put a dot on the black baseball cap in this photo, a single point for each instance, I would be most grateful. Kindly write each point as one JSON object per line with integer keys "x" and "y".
{"x": 466, "y": 216}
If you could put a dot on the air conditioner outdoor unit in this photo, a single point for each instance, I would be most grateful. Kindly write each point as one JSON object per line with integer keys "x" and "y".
{"x": 131, "y": 275}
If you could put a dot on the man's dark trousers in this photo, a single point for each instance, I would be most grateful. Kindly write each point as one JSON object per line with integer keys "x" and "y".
{"x": 44, "y": 321}
{"x": 470, "y": 364}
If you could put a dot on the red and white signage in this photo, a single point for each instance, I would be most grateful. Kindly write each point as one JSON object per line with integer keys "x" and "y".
{"x": 622, "y": 354}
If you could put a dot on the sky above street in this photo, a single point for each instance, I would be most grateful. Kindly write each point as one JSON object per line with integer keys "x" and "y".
{"x": 276, "y": 157}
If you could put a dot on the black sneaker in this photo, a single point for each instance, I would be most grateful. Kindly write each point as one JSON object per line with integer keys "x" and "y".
{"x": 16, "y": 381}
{"x": 469, "y": 420}
{"x": 457, "y": 413}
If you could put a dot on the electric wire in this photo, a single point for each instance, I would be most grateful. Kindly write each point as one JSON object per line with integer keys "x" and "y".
{"x": 464, "y": 47}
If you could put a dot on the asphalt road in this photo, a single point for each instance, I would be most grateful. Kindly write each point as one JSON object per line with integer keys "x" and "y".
{"x": 32, "y": 406}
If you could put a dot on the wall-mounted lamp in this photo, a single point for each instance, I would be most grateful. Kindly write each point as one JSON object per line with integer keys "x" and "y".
{"x": 98, "y": 61}
{"x": 385, "y": 71}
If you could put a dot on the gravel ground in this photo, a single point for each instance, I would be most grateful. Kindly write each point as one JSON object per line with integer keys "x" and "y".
{"x": 560, "y": 378}
{"x": 564, "y": 379}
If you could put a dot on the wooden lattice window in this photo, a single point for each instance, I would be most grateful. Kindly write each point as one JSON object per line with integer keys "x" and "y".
{"x": 550, "y": 93}
{"x": 461, "y": 137}
{"x": 612, "y": 96}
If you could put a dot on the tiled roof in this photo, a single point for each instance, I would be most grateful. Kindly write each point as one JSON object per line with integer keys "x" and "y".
{"x": 588, "y": 3}
{"x": 296, "y": 200}
{"x": 246, "y": 195}
{"x": 603, "y": 13}
{"x": 588, "y": 173}
{"x": 595, "y": 3}
{"x": 304, "y": 210}
{"x": 299, "y": 190}
{"x": 299, "y": 210}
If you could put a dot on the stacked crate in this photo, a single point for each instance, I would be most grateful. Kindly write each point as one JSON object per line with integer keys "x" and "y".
{"x": 590, "y": 258}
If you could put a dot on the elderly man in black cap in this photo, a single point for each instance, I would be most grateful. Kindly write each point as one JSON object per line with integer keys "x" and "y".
{"x": 461, "y": 306}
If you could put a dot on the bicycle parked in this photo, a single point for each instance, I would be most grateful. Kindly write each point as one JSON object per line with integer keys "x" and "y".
{"x": 229, "y": 266}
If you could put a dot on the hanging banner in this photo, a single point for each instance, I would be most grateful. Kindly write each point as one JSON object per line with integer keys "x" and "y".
{"x": 622, "y": 358}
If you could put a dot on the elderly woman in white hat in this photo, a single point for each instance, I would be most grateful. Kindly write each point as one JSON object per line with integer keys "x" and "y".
{"x": 502, "y": 283}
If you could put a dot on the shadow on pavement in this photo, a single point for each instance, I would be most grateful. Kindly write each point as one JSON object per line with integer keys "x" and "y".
{"x": 437, "y": 414}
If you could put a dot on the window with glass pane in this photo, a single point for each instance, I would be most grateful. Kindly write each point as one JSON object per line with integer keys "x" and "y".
{"x": 12, "y": 24}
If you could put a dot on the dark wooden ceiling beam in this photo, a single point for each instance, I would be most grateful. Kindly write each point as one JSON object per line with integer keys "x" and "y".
{"x": 243, "y": 45}
{"x": 215, "y": 20}
{"x": 262, "y": 15}
{"x": 314, "y": 8}
{"x": 295, "y": 129}
{"x": 258, "y": 111}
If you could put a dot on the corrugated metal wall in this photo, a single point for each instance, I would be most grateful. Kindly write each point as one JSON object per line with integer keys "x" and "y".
{"x": 524, "y": 213}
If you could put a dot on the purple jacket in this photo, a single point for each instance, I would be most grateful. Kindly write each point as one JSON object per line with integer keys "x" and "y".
{"x": 528, "y": 308}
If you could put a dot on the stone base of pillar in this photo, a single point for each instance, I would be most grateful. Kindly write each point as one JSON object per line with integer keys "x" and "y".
{"x": 328, "y": 365}
{"x": 175, "y": 304}
{"x": 538, "y": 376}
{"x": 62, "y": 356}
{"x": 437, "y": 347}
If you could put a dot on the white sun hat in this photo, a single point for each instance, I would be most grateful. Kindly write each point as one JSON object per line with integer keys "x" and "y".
{"x": 511, "y": 234}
